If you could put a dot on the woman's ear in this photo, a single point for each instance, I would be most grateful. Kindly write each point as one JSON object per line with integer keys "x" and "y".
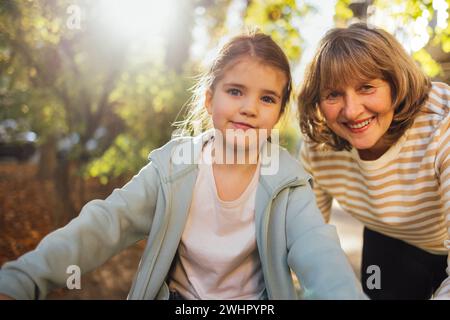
{"x": 208, "y": 100}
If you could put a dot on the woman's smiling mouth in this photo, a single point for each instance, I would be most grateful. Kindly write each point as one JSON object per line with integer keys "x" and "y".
{"x": 359, "y": 126}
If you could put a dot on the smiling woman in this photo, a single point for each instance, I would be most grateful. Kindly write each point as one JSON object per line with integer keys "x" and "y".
{"x": 378, "y": 142}
{"x": 141, "y": 20}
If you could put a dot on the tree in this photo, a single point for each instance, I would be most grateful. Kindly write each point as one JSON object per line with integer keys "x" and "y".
{"x": 434, "y": 54}
{"x": 100, "y": 102}
{"x": 75, "y": 93}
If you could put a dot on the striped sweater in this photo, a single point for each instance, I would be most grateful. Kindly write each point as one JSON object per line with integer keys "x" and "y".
{"x": 405, "y": 194}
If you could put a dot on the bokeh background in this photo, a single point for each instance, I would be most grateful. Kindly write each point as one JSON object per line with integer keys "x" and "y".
{"x": 88, "y": 88}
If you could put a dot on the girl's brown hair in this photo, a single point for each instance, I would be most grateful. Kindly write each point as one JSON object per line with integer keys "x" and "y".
{"x": 253, "y": 44}
{"x": 360, "y": 53}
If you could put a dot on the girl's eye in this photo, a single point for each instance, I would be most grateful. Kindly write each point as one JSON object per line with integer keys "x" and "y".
{"x": 268, "y": 99}
{"x": 234, "y": 92}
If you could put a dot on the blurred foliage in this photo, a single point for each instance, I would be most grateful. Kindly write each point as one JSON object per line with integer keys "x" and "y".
{"x": 105, "y": 101}
{"x": 280, "y": 19}
{"x": 412, "y": 10}
{"x": 342, "y": 10}
{"x": 94, "y": 92}
{"x": 429, "y": 65}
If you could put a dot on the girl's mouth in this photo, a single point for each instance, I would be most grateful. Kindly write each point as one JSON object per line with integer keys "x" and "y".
{"x": 242, "y": 125}
{"x": 359, "y": 126}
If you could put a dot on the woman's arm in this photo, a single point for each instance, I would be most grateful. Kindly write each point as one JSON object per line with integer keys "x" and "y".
{"x": 443, "y": 172}
{"x": 103, "y": 228}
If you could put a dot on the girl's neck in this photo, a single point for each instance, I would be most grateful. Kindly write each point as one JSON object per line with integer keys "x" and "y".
{"x": 234, "y": 159}
{"x": 232, "y": 180}
{"x": 235, "y": 168}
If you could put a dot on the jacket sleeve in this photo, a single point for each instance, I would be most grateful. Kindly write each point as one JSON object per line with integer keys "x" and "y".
{"x": 103, "y": 228}
{"x": 324, "y": 199}
{"x": 314, "y": 251}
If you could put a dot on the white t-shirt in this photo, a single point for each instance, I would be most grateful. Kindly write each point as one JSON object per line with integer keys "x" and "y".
{"x": 218, "y": 256}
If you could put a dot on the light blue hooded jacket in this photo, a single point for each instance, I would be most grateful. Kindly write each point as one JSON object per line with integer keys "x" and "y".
{"x": 290, "y": 233}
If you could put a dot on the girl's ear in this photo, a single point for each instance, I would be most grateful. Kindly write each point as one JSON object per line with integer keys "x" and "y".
{"x": 208, "y": 100}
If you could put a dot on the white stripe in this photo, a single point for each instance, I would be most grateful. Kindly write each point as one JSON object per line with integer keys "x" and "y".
{"x": 416, "y": 130}
{"x": 331, "y": 185}
{"x": 435, "y": 221}
{"x": 419, "y": 142}
{"x": 428, "y": 117}
{"x": 437, "y": 108}
{"x": 375, "y": 202}
{"x": 441, "y": 91}
{"x": 320, "y": 164}
{"x": 395, "y": 209}
{"x": 404, "y": 179}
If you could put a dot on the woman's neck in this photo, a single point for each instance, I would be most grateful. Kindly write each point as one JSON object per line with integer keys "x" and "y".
{"x": 375, "y": 152}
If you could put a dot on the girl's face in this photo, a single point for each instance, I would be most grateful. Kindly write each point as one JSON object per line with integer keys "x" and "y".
{"x": 247, "y": 97}
{"x": 361, "y": 114}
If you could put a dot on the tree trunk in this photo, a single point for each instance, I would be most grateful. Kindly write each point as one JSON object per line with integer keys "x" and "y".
{"x": 47, "y": 160}
{"x": 65, "y": 209}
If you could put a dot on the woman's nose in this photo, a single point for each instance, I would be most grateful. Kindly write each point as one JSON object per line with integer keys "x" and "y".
{"x": 353, "y": 106}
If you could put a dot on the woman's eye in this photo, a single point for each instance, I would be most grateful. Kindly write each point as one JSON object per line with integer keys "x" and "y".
{"x": 366, "y": 88}
{"x": 333, "y": 95}
{"x": 234, "y": 92}
{"x": 268, "y": 99}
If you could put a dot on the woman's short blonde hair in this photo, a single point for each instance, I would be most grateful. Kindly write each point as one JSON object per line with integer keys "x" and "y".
{"x": 360, "y": 53}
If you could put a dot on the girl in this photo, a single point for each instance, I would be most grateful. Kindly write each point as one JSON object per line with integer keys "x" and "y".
{"x": 215, "y": 230}
{"x": 377, "y": 141}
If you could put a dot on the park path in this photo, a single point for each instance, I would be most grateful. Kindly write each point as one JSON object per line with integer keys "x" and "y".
{"x": 350, "y": 233}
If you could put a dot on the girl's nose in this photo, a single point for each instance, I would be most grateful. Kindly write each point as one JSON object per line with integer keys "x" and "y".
{"x": 249, "y": 107}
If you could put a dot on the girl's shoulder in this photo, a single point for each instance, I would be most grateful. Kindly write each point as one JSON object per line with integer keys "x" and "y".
{"x": 281, "y": 166}
{"x": 181, "y": 150}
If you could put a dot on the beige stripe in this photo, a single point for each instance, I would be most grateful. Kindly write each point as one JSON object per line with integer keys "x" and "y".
{"x": 445, "y": 144}
{"x": 446, "y": 192}
{"x": 399, "y": 183}
{"x": 415, "y": 148}
{"x": 414, "y": 229}
{"x": 425, "y": 123}
{"x": 441, "y": 85}
{"x": 381, "y": 216}
{"x": 444, "y": 168}
{"x": 419, "y": 136}
{"x": 394, "y": 171}
{"x": 392, "y": 193}
{"x": 437, "y": 104}
{"x": 329, "y": 157}
{"x": 397, "y": 203}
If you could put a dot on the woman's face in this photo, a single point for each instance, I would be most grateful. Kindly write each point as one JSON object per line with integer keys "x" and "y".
{"x": 361, "y": 114}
